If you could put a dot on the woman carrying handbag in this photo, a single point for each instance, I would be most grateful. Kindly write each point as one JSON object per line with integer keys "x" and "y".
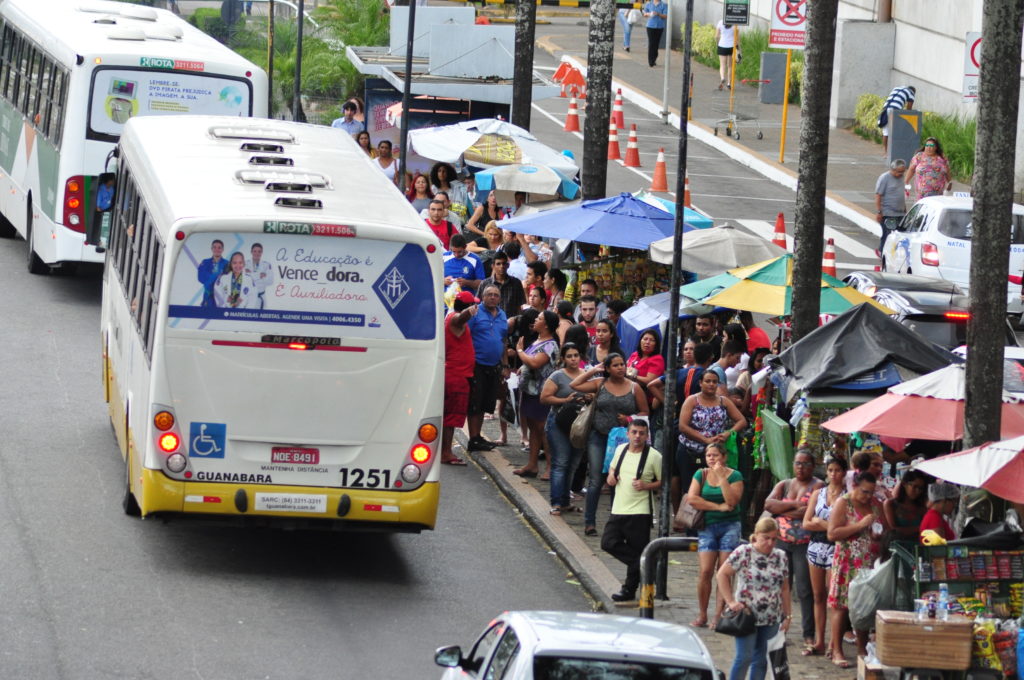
{"x": 755, "y": 578}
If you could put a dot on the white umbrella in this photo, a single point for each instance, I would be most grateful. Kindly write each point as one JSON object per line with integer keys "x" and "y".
{"x": 997, "y": 467}
{"x": 712, "y": 251}
{"x": 485, "y": 143}
{"x": 540, "y": 182}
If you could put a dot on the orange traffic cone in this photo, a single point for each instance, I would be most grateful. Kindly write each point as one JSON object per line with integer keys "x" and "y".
{"x": 572, "y": 118}
{"x": 686, "y": 190}
{"x": 575, "y": 77}
{"x": 828, "y": 261}
{"x": 632, "y": 150}
{"x": 613, "y": 142}
{"x": 617, "y": 115}
{"x": 561, "y": 72}
{"x": 660, "y": 182}
{"x": 780, "y": 232}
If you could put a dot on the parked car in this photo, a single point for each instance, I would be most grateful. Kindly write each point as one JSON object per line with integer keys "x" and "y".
{"x": 939, "y": 317}
{"x": 869, "y": 282}
{"x": 545, "y": 645}
{"x": 934, "y": 240}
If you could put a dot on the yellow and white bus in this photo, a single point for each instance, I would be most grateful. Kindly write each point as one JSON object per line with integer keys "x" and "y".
{"x": 271, "y": 328}
{"x": 71, "y": 73}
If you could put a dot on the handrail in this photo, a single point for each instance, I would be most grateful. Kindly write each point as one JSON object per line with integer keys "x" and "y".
{"x": 654, "y": 550}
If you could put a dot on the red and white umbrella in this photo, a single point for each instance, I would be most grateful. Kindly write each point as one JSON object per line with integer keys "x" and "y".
{"x": 997, "y": 467}
{"x": 928, "y": 407}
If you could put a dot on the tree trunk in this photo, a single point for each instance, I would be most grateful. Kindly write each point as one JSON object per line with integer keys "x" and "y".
{"x": 809, "y": 228}
{"x": 998, "y": 93}
{"x": 522, "y": 82}
{"x": 599, "y": 86}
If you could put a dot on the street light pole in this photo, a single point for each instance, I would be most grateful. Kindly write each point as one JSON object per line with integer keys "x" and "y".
{"x": 297, "y": 85}
{"x": 668, "y": 62}
{"x": 672, "y": 341}
{"x": 403, "y": 139}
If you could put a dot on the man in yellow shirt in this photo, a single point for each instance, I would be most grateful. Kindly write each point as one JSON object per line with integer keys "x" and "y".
{"x": 634, "y": 474}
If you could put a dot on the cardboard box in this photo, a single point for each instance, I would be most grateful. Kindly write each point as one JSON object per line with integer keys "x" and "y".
{"x": 903, "y": 640}
{"x": 875, "y": 671}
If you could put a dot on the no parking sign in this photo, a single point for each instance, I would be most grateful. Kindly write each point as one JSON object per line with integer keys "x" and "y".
{"x": 972, "y": 66}
{"x": 789, "y": 22}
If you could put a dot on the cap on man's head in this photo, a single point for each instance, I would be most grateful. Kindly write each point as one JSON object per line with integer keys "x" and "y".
{"x": 941, "y": 491}
{"x": 467, "y": 298}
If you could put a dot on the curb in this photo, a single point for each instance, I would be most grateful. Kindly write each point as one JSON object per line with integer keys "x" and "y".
{"x": 734, "y": 150}
{"x": 539, "y": 524}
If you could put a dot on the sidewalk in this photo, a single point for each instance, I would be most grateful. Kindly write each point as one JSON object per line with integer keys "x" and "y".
{"x": 601, "y": 575}
{"x": 854, "y": 163}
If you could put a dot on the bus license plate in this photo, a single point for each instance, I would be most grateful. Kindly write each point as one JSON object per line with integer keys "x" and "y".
{"x": 294, "y": 455}
{"x": 291, "y": 502}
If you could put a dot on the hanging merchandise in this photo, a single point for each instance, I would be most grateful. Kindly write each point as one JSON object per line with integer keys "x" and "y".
{"x": 626, "y": 277}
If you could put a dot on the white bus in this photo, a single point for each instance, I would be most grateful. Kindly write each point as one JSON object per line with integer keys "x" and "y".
{"x": 71, "y": 73}
{"x": 271, "y": 328}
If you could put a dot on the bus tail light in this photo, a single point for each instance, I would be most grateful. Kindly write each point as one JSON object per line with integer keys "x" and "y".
{"x": 169, "y": 442}
{"x": 74, "y": 203}
{"x": 929, "y": 254}
{"x": 428, "y": 432}
{"x": 176, "y": 462}
{"x": 164, "y": 420}
{"x": 420, "y": 454}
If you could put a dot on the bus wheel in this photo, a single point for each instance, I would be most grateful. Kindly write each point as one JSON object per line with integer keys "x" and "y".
{"x": 35, "y": 264}
{"x": 128, "y": 502}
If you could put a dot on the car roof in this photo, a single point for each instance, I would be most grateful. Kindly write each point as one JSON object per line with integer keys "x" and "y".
{"x": 923, "y": 301}
{"x": 590, "y": 635}
{"x": 896, "y": 281}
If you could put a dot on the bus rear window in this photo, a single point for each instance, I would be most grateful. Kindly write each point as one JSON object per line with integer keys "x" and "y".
{"x": 120, "y": 93}
{"x": 302, "y": 285}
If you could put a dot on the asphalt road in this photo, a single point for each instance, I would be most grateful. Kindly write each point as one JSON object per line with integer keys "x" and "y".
{"x": 90, "y": 593}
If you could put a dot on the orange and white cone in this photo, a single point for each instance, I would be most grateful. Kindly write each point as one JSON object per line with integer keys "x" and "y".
{"x": 828, "y": 261}
{"x": 561, "y": 72}
{"x": 632, "y": 150}
{"x": 613, "y": 142}
{"x": 572, "y": 118}
{"x": 660, "y": 182}
{"x": 617, "y": 115}
{"x": 686, "y": 190}
{"x": 779, "y": 238}
{"x": 575, "y": 77}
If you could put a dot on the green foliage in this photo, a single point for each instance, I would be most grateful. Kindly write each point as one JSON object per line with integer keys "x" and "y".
{"x": 956, "y": 133}
{"x": 752, "y": 43}
{"x": 207, "y": 20}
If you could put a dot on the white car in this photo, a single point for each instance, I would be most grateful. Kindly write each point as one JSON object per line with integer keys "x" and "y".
{"x": 934, "y": 240}
{"x": 538, "y": 645}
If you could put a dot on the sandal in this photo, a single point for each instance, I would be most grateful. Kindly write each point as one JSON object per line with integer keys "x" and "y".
{"x": 453, "y": 461}
{"x": 841, "y": 662}
{"x": 590, "y": 530}
{"x": 555, "y": 511}
{"x": 699, "y": 623}
{"x": 811, "y": 650}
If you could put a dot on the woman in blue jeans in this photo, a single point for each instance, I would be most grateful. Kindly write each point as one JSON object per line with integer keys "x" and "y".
{"x": 617, "y": 398}
{"x": 755, "y": 577}
{"x": 717, "y": 490}
{"x": 557, "y": 394}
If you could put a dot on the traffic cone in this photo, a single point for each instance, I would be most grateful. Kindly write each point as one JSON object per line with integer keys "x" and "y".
{"x": 660, "y": 182}
{"x": 632, "y": 150}
{"x": 686, "y": 190}
{"x": 617, "y": 115}
{"x": 780, "y": 232}
{"x": 575, "y": 77}
{"x": 828, "y": 261}
{"x": 613, "y": 142}
{"x": 561, "y": 72}
{"x": 572, "y": 118}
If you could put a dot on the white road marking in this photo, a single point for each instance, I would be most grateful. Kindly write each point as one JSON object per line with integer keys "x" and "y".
{"x": 766, "y": 230}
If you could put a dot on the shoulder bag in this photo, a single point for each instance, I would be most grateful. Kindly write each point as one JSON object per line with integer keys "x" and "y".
{"x": 580, "y": 430}
{"x": 687, "y": 517}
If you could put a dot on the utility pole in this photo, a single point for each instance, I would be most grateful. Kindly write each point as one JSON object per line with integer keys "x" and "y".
{"x": 270, "y": 61}
{"x": 809, "y": 231}
{"x": 403, "y": 134}
{"x": 601, "y": 40}
{"x": 999, "y": 89}
{"x": 522, "y": 80}
{"x": 297, "y": 114}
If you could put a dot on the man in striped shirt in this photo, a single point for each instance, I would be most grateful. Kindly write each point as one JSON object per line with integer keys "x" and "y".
{"x": 899, "y": 98}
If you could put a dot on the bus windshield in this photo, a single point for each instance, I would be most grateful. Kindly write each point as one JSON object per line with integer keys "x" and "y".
{"x": 120, "y": 93}
{"x": 303, "y": 284}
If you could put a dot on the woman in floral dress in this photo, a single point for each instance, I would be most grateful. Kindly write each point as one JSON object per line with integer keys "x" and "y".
{"x": 928, "y": 173}
{"x": 760, "y": 572}
{"x": 856, "y": 525}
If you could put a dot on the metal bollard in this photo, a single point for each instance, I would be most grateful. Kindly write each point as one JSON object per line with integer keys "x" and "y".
{"x": 648, "y": 563}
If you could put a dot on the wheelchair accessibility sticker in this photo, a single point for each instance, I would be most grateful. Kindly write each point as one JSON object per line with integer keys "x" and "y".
{"x": 206, "y": 440}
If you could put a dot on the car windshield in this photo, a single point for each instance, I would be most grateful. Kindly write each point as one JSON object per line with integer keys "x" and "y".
{"x": 559, "y": 668}
{"x": 957, "y": 224}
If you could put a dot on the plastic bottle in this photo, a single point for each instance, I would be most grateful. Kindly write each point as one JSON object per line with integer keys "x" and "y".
{"x": 943, "y": 608}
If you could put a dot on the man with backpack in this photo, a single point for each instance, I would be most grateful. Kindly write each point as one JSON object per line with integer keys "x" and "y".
{"x": 634, "y": 475}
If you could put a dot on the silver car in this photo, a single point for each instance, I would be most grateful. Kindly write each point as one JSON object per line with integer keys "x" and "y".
{"x": 539, "y": 645}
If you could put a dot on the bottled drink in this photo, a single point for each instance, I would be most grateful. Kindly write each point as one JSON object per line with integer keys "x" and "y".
{"x": 943, "y": 608}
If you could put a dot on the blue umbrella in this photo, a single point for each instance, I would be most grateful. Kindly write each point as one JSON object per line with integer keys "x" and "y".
{"x": 621, "y": 221}
{"x": 653, "y": 312}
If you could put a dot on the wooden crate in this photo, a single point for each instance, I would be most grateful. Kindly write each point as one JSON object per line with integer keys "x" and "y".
{"x": 902, "y": 640}
{"x": 875, "y": 671}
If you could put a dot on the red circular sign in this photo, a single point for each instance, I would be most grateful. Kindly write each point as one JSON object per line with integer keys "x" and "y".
{"x": 976, "y": 53}
{"x": 791, "y": 12}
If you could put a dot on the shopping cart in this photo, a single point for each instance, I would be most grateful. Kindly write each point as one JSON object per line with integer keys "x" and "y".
{"x": 742, "y": 105}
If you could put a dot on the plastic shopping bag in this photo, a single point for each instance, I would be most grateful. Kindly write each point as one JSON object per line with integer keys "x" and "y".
{"x": 871, "y": 590}
{"x": 616, "y": 437}
{"x": 778, "y": 661}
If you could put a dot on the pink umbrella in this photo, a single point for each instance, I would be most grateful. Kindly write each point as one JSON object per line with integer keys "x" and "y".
{"x": 996, "y": 466}
{"x": 928, "y": 407}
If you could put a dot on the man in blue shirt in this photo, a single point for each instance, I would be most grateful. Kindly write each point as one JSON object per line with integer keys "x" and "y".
{"x": 210, "y": 270}
{"x": 462, "y": 266}
{"x": 656, "y": 12}
{"x": 489, "y": 329}
{"x": 347, "y": 122}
